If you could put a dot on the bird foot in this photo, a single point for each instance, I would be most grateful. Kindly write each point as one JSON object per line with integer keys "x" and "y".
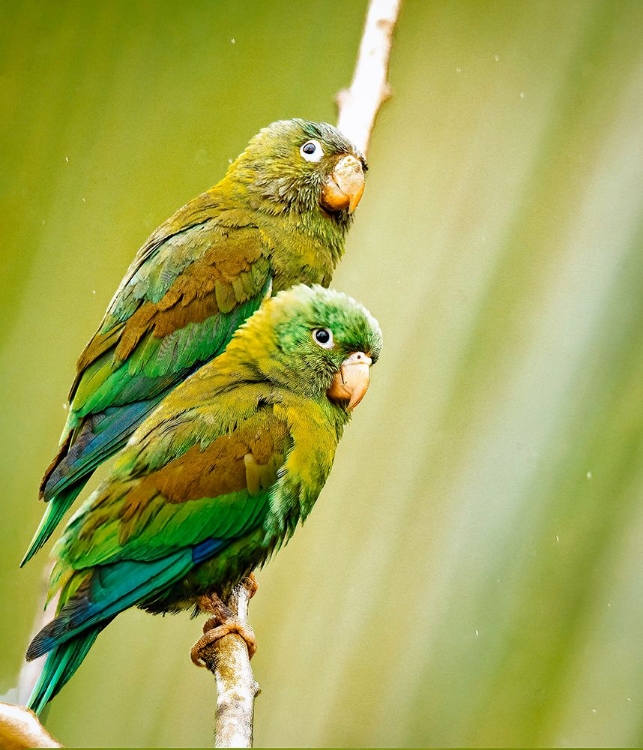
{"x": 223, "y": 622}
{"x": 250, "y": 583}
{"x": 214, "y": 629}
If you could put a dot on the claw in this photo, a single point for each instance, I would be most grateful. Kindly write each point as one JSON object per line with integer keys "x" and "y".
{"x": 214, "y": 629}
{"x": 223, "y": 622}
{"x": 251, "y": 585}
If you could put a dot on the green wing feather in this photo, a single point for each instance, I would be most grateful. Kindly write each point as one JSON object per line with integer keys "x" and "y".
{"x": 176, "y": 308}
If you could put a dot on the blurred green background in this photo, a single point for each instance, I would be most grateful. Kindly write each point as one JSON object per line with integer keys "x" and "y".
{"x": 472, "y": 573}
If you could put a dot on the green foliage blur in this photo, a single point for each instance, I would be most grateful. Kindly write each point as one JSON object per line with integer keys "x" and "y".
{"x": 472, "y": 573}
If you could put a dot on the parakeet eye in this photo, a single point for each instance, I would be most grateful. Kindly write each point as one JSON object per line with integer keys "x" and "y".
{"x": 323, "y": 337}
{"x": 312, "y": 151}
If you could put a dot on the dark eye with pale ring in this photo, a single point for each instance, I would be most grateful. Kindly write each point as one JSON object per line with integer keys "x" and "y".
{"x": 323, "y": 337}
{"x": 312, "y": 150}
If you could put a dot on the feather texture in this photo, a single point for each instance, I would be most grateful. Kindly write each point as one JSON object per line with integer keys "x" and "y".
{"x": 195, "y": 280}
{"x": 213, "y": 482}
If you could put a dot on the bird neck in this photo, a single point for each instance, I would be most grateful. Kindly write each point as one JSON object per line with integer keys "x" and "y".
{"x": 306, "y": 242}
{"x": 306, "y": 248}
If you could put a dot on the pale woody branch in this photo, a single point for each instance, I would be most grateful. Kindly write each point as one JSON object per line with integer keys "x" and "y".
{"x": 359, "y": 104}
{"x": 228, "y": 660}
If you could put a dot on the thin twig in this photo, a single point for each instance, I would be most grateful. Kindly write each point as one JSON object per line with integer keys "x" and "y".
{"x": 359, "y": 104}
{"x": 228, "y": 660}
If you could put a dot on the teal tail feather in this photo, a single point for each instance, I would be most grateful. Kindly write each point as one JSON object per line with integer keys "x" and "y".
{"x": 54, "y": 511}
{"x": 61, "y": 664}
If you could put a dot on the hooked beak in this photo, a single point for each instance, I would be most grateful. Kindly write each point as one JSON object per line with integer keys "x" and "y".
{"x": 351, "y": 382}
{"x": 344, "y": 186}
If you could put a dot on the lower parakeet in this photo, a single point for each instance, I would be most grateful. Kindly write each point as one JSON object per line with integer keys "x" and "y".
{"x": 217, "y": 478}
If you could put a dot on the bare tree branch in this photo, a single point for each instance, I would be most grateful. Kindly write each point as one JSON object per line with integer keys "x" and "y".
{"x": 359, "y": 104}
{"x": 229, "y": 661}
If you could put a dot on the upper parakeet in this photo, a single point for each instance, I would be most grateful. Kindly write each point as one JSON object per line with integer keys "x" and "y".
{"x": 217, "y": 477}
{"x": 279, "y": 217}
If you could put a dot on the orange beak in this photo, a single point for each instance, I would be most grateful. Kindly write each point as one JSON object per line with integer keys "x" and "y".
{"x": 344, "y": 186}
{"x": 351, "y": 382}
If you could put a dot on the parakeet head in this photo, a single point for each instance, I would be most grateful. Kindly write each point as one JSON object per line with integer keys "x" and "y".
{"x": 314, "y": 341}
{"x": 302, "y": 166}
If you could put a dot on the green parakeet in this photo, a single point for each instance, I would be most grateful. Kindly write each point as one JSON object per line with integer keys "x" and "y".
{"x": 217, "y": 478}
{"x": 279, "y": 217}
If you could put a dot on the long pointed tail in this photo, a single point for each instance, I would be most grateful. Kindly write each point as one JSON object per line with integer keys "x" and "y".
{"x": 61, "y": 664}
{"x": 99, "y": 595}
{"x": 54, "y": 511}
